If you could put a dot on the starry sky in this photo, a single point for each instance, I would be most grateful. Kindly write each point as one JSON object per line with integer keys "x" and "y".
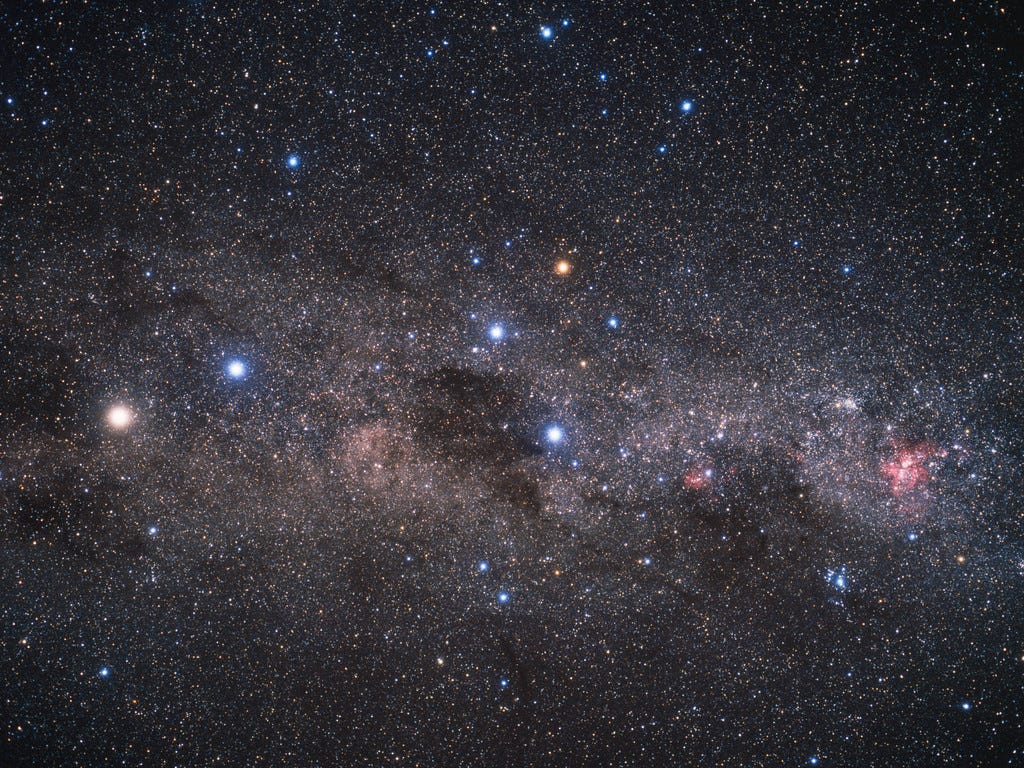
{"x": 498, "y": 384}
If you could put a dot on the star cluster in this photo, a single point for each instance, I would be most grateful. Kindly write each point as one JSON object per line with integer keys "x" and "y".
{"x": 477, "y": 384}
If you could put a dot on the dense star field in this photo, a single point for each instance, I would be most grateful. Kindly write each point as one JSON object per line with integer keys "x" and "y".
{"x": 484, "y": 384}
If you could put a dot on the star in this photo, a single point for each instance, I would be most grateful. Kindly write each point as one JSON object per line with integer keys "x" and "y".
{"x": 504, "y": 597}
{"x": 104, "y": 672}
{"x": 496, "y": 332}
{"x": 686, "y": 107}
{"x": 120, "y": 417}
{"x": 612, "y": 322}
{"x": 554, "y": 434}
{"x": 294, "y": 161}
{"x": 483, "y": 566}
{"x": 236, "y": 368}
{"x": 547, "y": 32}
{"x": 837, "y": 578}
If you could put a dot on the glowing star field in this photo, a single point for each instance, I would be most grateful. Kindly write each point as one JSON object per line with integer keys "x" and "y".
{"x": 480, "y": 384}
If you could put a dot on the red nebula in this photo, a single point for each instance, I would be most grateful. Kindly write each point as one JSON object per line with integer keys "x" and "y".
{"x": 699, "y": 477}
{"x": 908, "y": 468}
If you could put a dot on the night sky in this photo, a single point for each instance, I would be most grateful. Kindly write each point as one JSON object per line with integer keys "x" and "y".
{"x": 488, "y": 384}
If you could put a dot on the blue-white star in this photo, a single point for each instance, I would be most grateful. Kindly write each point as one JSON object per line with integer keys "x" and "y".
{"x": 483, "y": 566}
{"x": 104, "y": 672}
{"x": 686, "y": 107}
{"x": 612, "y": 322}
{"x": 504, "y": 597}
{"x": 554, "y": 434}
{"x": 236, "y": 368}
{"x": 547, "y": 32}
{"x": 294, "y": 161}
{"x": 496, "y": 332}
{"x": 837, "y": 578}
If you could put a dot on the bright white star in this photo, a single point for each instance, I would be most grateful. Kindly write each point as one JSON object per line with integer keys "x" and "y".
{"x": 237, "y": 369}
{"x": 120, "y": 417}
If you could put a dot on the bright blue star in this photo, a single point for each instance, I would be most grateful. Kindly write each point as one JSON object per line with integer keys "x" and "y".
{"x": 686, "y": 107}
{"x": 483, "y": 566}
{"x": 294, "y": 161}
{"x": 912, "y": 536}
{"x": 662, "y": 149}
{"x": 554, "y": 434}
{"x": 496, "y": 332}
{"x": 813, "y": 761}
{"x": 966, "y": 706}
{"x": 603, "y": 77}
{"x": 837, "y": 578}
{"x": 504, "y": 597}
{"x": 503, "y": 682}
{"x": 847, "y": 269}
{"x": 104, "y": 672}
{"x": 236, "y": 368}
{"x": 153, "y": 530}
{"x": 547, "y": 32}
{"x": 612, "y": 322}
{"x": 565, "y": 22}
